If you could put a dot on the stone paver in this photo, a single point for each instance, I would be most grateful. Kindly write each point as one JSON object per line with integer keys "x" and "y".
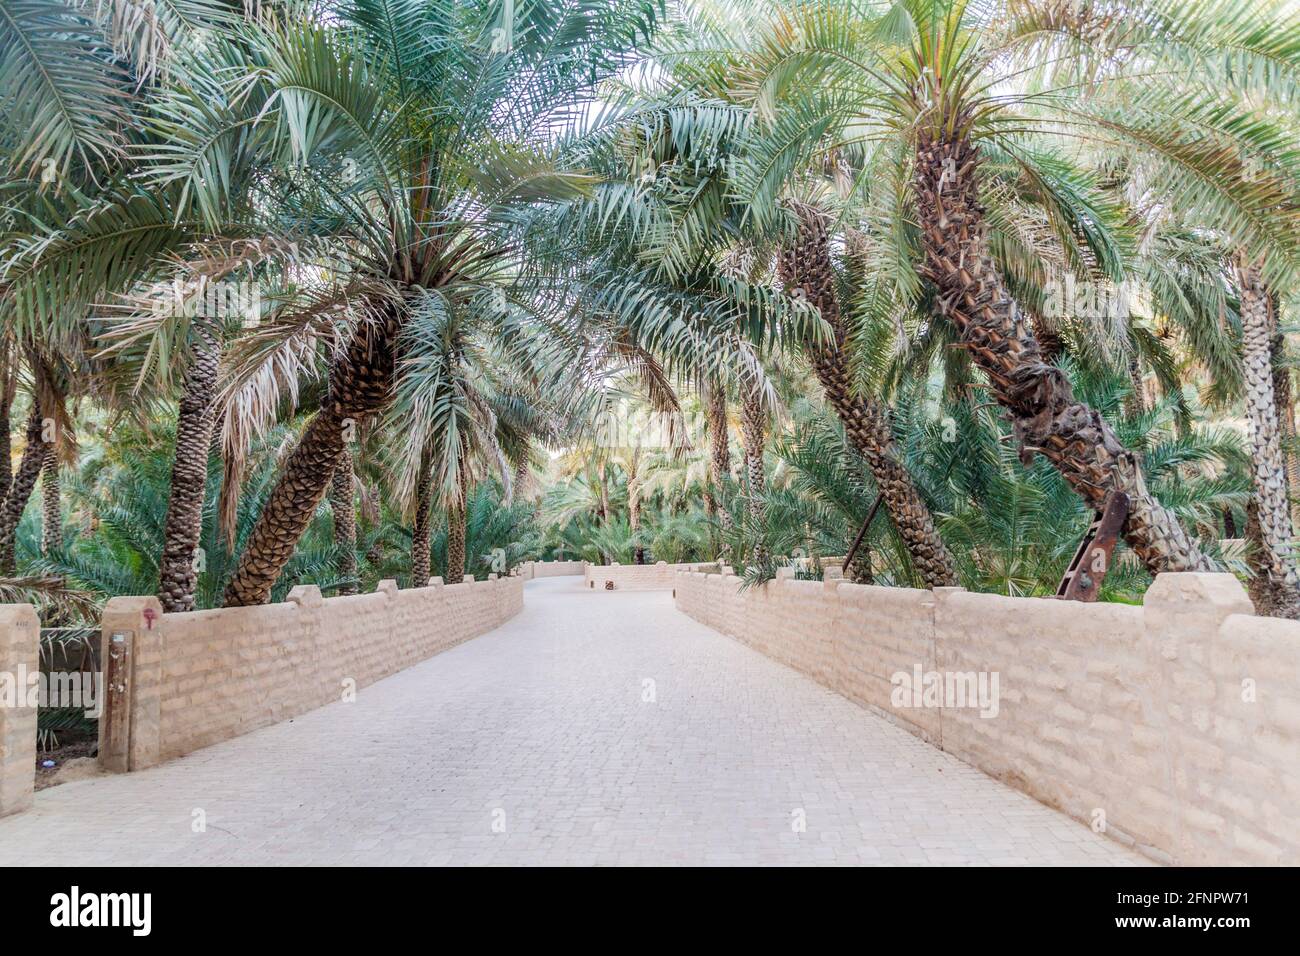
{"x": 543, "y": 729}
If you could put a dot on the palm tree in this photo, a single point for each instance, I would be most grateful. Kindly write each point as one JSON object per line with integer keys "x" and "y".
{"x": 715, "y": 491}
{"x": 178, "y": 573}
{"x": 753, "y": 433}
{"x": 1011, "y": 528}
{"x": 696, "y": 129}
{"x": 123, "y": 490}
{"x": 1279, "y": 596}
{"x": 8, "y": 391}
{"x": 424, "y": 134}
{"x": 83, "y": 79}
{"x": 469, "y": 399}
{"x": 20, "y": 489}
{"x": 498, "y": 533}
{"x": 457, "y": 527}
{"x": 420, "y": 544}
{"x": 436, "y": 112}
{"x": 51, "y": 504}
{"x": 806, "y": 265}
{"x": 949, "y": 81}
{"x": 344, "y": 515}
{"x": 48, "y": 435}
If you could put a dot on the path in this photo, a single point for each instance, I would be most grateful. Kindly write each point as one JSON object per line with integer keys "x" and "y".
{"x": 540, "y": 729}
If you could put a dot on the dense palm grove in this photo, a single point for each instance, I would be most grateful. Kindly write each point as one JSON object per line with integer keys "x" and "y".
{"x": 346, "y": 290}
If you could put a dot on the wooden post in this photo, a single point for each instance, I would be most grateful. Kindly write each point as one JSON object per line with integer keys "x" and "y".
{"x": 115, "y": 718}
{"x": 1082, "y": 580}
{"x": 862, "y": 533}
{"x": 129, "y": 723}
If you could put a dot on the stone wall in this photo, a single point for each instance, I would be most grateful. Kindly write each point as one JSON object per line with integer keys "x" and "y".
{"x": 206, "y": 676}
{"x": 634, "y": 577}
{"x": 1174, "y": 727}
{"x": 20, "y": 637}
{"x": 550, "y": 569}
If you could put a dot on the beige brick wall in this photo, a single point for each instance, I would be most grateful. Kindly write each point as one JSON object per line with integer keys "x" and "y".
{"x": 1175, "y": 726}
{"x": 550, "y": 569}
{"x": 206, "y": 676}
{"x": 19, "y": 660}
{"x": 633, "y": 577}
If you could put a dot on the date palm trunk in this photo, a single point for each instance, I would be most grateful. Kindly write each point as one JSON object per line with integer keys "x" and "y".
{"x": 806, "y": 264}
{"x": 457, "y": 518}
{"x": 1047, "y": 418}
{"x": 860, "y": 571}
{"x": 344, "y": 514}
{"x": 1135, "y": 403}
{"x": 753, "y": 429}
{"x": 51, "y": 504}
{"x": 420, "y": 544}
{"x": 8, "y": 383}
{"x": 1284, "y": 399}
{"x": 360, "y": 384}
{"x": 634, "y": 521}
{"x": 457, "y": 523}
{"x": 1279, "y": 589}
{"x": 715, "y": 498}
{"x": 633, "y": 470}
{"x": 178, "y": 576}
{"x": 20, "y": 490}
{"x": 6, "y": 452}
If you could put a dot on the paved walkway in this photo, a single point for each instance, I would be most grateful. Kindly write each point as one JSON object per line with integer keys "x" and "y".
{"x": 541, "y": 730}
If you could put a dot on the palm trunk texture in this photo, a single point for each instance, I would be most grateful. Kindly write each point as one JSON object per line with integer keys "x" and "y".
{"x": 420, "y": 543}
{"x": 360, "y": 385}
{"x": 719, "y": 460}
{"x": 753, "y": 427}
{"x": 178, "y": 574}
{"x": 1278, "y": 595}
{"x": 51, "y": 504}
{"x": 807, "y": 265}
{"x": 20, "y": 490}
{"x": 344, "y": 514}
{"x": 1046, "y": 417}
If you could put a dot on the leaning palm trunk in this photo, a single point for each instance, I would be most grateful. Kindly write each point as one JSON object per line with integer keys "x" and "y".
{"x": 1045, "y": 415}
{"x": 753, "y": 426}
{"x": 420, "y": 545}
{"x": 51, "y": 504}
{"x": 344, "y": 514}
{"x": 179, "y": 571}
{"x": 20, "y": 490}
{"x": 807, "y": 265}
{"x": 360, "y": 384}
{"x": 1279, "y": 593}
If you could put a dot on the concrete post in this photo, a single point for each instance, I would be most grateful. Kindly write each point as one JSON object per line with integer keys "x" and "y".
{"x": 20, "y": 636}
{"x": 1184, "y": 615}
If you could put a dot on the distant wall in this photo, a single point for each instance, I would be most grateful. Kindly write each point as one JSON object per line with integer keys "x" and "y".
{"x": 550, "y": 569}
{"x": 1174, "y": 726}
{"x": 634, "y": 577}
{"x": 206, "y": 676}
